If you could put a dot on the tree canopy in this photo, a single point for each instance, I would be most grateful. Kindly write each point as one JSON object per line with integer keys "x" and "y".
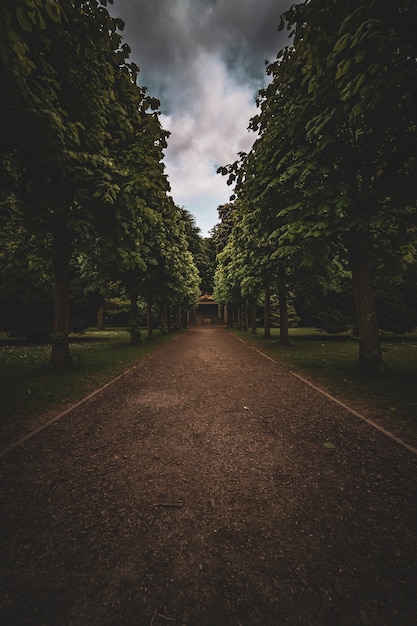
{"x": 81, "y": 157}
{"x": 331, "y": 172}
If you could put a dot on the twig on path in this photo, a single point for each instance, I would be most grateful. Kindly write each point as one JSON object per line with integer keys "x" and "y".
{"x": 168, "y": 505}
{"x": 153, "y": 616}
{"x": 165, "y": 617}
{"x": 181, "y": 548}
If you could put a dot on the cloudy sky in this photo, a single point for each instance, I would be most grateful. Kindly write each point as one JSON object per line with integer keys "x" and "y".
{"x": 205, "y": 61}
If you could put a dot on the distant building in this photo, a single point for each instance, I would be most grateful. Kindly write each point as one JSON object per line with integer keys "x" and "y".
{"x": 208, "y": 311}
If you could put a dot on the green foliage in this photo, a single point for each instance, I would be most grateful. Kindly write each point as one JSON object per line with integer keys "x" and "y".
{"x": 330, "y": 175}
{"x": 135, "y": 333}
{"x": 26, "y": 302}
{"x": 324, "y": 299}
{"x": 206, "y": 264}
{"x": 293, "y": 317}
{"x": 223, "y": 230}
{"x": 81, "y": 162}
{"x": 332, "y": 321}
{"x": 396, "y": 295}
{"x": 85, "y": 299}
{"x": 26, "y": 299}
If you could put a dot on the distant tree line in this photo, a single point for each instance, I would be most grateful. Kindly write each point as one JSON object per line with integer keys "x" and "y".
{"x": 324, "y": 209}
{"x": 85, "y": 210}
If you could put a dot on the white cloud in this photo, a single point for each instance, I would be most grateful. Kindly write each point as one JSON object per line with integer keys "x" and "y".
{"x": 207, "y": 131}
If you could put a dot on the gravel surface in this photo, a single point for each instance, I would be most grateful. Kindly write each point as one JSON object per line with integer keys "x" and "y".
{"x": 208, "y": 486}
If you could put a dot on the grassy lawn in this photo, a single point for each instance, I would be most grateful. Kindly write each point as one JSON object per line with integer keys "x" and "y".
{"x": 28, "y": 385}
{"x": 332, "y": 362}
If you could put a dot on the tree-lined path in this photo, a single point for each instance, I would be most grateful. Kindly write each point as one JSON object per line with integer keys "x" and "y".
{"x": 208, "y": 486}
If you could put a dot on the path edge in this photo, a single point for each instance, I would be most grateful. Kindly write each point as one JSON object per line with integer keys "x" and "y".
{"x": 324, "y": 393}
{"x": 327, "y": 395}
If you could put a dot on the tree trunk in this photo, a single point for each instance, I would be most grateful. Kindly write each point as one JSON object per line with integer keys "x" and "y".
{"x": 363, "y": 293}
{"x": 149, "y": 319}
{"x": 267, "y": 313}
{"x": 245, "y": 315}
{"x": 163, "y": 317}
{"x": 231, "y": 315}
{"x": 62, "y": 254}
{"x": 177, "y": 317}
{"x": 283, "y": 308}
{"x": 100, "y": 318}
{"x": 253, "y": 317}
{"x": 134, "y": 328}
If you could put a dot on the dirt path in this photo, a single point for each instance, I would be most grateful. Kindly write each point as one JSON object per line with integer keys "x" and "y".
{"x": 208, "y": 487}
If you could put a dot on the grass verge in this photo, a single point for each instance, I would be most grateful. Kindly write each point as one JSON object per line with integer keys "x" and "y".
{"x": 29, "y": 386}
{"x": 331, "y": 361}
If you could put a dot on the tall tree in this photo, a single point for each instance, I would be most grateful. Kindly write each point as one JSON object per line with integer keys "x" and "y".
{"x": 74, "y": 122}
{"x": 333, "y": 164}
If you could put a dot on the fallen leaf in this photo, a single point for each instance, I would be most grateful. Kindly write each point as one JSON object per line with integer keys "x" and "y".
{"x": 329, "y": 445}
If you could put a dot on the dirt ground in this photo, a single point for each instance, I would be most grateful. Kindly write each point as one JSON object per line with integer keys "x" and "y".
{"x": 208, "y": 487}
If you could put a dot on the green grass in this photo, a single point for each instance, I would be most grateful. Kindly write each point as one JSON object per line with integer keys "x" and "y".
{"x": 331, "y": 361}
{"x": 28, "y": 385}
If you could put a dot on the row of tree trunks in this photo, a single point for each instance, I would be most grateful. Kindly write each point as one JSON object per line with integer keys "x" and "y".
{"x": 240, "y": 312}
{"x": 60, "y": 356}
{"x": 169, "y": 320}
{"x": 178, "y": 320}
{"x": 366, "y": 312}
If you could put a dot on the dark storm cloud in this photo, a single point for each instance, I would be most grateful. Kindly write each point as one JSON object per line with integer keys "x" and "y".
{"x": 167, "y": 35}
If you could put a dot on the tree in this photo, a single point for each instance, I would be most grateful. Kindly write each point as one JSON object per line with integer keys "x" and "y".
{"x": 332, "y": 168}
{"x": 203, "y": 251}
{"x": 74, "y": 123}
{"x": 26, "y": 276}
{"x": 178, "y": 279}
{"x": 261, "y": 269}
{"x": 26, "y": 303}
{"x": 360, "y": 116}
{"x": 222, "y": 231}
